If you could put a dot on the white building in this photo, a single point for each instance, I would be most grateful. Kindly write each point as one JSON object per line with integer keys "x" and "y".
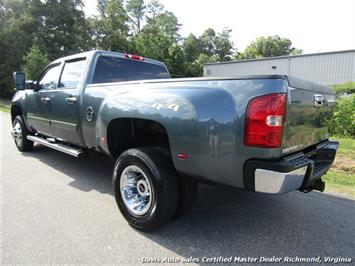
{"x": 322, "y": 68}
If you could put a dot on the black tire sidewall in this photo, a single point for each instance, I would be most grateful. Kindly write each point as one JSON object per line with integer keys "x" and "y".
{"x": 160, "y": 209}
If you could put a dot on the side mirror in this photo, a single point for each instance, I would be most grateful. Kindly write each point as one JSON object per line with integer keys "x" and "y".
{"x": 20, "y": 81}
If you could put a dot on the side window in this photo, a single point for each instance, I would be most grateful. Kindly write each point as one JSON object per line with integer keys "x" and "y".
{"x": 49, "y": 79}
{"x": 71, "y": 74}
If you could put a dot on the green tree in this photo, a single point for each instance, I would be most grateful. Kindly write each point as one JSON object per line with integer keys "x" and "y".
{"x": 156, "y": 38}
{"x": 218, "y": 44}
{"x": 160, "y": 39}
{"x": 192, "y": 47}
{"x": 176, "y": 61}
{"x": 110, "y": 27}
{"x": 63, "y": 29}
{"x": 209, "y": 47}
{"x": 201, "y": 60}
{"x": 34, "y": 61}
{"x": 207, "y": 40}
{"x": 17, "y": 30}
{"x": 101, "y": 6}
{"x": 296, "y": 51}
{"x": 268, "y": 46}
{"x": 57, "y": 27}
{"x": 223, "y": 45}
{"x": 154, "y": 8}
{"x": 135, "y": 9}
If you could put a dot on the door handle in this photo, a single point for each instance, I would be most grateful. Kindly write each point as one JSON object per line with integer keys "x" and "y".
{"x": 70, "y": 100}
{"x": 45, "y": 99}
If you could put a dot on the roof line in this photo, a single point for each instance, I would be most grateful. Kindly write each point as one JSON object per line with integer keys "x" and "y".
{"x": 280, "y": 57}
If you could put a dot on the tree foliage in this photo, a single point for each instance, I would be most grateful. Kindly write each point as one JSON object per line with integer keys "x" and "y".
{"x": 34, "y": 61}
{"x": 110, "y": 28}
{"x": 269, "y": 46}
{"x": 135, "y": 10}
{"x": 208, "y": 48}
{"x": 56, "y": 27}
{"x": 37, "y": 31}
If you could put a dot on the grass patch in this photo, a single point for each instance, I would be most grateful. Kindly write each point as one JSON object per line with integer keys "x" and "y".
{"x": 341, "y": 177}
{"x": 4, "y": 108}
{"x": 340, "y": 182}
{"x": 346, "y": 147}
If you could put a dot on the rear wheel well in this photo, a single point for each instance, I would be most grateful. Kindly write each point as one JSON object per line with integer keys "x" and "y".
{"x": 15, "y": 111}
{"x": 127, "y": 133}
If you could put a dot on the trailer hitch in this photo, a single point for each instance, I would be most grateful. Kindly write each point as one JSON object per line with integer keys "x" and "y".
{"x": 317, "y": 184}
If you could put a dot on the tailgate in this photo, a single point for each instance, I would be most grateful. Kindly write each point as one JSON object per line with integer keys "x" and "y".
{"x": 309, "y": 107}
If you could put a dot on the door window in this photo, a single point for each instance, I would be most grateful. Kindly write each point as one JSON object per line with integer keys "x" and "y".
{"x": 72, "y": 74}
{"x": 49, "y": 79}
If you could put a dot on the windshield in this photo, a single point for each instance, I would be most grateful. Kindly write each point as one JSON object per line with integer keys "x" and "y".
{"x": 113, "y": 69}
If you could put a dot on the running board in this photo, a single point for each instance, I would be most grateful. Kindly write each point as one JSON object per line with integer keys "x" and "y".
{"x": 57, "y": 146}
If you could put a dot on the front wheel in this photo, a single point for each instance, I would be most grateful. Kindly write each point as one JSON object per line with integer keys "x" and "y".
{"x": 146, "y": 187}
{"x": 20, "y": 133}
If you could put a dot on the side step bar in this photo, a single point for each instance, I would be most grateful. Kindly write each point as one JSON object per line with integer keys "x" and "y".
{"x": 57, "y": 146}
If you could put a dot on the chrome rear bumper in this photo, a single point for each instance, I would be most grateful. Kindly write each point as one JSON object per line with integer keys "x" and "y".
{"x": 276, "y": 182}
{"x": 301, "y": 171}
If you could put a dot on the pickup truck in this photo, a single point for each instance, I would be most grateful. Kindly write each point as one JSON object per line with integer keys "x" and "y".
{"x": 261, "y": 133}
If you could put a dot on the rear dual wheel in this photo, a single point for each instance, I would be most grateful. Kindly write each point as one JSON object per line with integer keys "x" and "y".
{"x": 147, "y": 189}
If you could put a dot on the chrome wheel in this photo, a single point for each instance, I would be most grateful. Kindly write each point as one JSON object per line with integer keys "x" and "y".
{"x": 136, "y": 190}
{"x": 17, "y": 133}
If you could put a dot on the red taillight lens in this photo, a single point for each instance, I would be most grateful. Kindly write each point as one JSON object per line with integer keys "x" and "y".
{"x": 264, "y": 121}
{"x": 134, "y": 56}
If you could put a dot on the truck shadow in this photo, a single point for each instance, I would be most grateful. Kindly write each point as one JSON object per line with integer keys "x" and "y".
{"x": 93, "y": 171}
{"x": 231, "y": 222}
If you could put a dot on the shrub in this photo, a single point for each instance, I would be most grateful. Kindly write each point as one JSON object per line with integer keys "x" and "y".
{"x": 345, "y": 88}
{"x": 342, "y": 121}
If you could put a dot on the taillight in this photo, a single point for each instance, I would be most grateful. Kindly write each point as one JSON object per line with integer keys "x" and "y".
{"x": 264, "y": 121}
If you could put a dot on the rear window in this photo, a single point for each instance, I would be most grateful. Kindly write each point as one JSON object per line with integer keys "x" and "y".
{"x": 113, "y": 69}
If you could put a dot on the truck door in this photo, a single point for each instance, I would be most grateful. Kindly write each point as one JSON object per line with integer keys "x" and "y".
{"x": 66, "y": 102}
{"x": 38, "y": 101}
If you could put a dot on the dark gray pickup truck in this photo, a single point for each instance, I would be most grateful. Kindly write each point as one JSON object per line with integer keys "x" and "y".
{"x": 262, "y": 133}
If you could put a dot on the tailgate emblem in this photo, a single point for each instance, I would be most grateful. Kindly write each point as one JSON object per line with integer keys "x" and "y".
{"x": 318, "y": 100}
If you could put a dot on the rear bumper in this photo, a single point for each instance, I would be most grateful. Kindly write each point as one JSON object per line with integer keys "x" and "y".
{"x": 300, "y": 171}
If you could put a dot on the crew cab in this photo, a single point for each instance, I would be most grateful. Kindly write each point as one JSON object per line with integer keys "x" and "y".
{"x": 262, "y": 133}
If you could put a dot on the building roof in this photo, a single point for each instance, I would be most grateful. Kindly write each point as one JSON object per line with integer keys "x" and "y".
{"x": 281, "y": 57}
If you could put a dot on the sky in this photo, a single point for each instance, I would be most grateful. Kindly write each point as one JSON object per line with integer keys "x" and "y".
{"x": 312, "y": 25}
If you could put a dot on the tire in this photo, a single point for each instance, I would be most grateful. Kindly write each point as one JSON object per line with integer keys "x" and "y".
{"x": 187, "y": 196}
{"x": 20, "y": 133}
{"x": 147, "y": 176}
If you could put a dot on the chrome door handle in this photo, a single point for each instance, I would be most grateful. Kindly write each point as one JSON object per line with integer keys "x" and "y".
{"x": 45, "y": 99}
{"x": 70, "y": 100}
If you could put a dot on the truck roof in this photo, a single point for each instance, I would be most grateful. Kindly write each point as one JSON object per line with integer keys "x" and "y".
{"x": 102, "y": 52}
